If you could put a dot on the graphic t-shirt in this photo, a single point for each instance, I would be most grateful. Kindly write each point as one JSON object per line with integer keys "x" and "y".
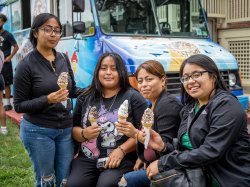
{"x": 1, "y": 60}
{"x": 6, "y": 41}
{"x": 109, "y": 138}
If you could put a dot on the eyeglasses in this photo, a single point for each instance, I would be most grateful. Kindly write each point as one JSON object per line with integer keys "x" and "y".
{"x": 49, "y": 30}
{"x": 194, "y": 76}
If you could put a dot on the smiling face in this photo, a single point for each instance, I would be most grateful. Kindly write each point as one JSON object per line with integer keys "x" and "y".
{"x": 45, "y": 39}
{"x": 201, "y": 88}
{"x": 108, "y": 75}
{"x": 149, "y": 85}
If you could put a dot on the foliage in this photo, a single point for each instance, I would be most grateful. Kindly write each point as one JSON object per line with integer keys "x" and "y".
{"x": 15, "y": 166}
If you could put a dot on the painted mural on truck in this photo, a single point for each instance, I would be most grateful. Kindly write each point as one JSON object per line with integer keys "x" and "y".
{"x": 134, "y": 51}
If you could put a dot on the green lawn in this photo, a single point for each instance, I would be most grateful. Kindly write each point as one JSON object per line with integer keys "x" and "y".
{"x": 15, "y": 166}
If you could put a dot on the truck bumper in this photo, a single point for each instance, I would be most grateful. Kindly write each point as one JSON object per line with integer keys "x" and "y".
{"x": 244, "y": 101}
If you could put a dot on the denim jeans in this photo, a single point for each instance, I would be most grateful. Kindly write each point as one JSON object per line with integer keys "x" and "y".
{"x": 50, "y": 150}
{"x": 137, "y": 179}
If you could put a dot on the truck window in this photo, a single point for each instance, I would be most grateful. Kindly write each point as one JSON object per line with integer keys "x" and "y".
{"x": 18, "y": 13}
{"x": 171, "y": 18}
{"x": 16, "y": 23}
{"x": 85, "y": 17}
{"x": 126, "y": 17}
{"x": 39, "y": 6}
{"x": 181, "y": 18}
{"x": 64, "y": 11}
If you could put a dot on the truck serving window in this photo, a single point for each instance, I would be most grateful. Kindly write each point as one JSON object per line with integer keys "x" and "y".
{"x": 177, "y": 18}
{"x": 18, "y": 13}
{"x": 126, "y": 17}
{"x": 181, "y": 18}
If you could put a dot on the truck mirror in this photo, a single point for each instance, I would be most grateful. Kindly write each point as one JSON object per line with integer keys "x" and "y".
{"x": 78, "y": 27}
{"x": 78, "y": 5}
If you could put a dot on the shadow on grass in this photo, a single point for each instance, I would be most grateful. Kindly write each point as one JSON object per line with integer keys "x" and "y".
{"x": 15, "y": 166}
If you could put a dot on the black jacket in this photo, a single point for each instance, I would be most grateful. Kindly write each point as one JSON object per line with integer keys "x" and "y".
{"x": 34, "y": 80}
{"x": 218, "y": 134}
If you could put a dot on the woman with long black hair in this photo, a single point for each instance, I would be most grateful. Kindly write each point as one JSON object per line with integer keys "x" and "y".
{"x": 213, "y": 130}
{"x": 104, "y": 154}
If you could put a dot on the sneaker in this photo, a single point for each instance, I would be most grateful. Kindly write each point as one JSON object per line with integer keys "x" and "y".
{"x": 8, "y": 107}
{"x": 4, "y": 130}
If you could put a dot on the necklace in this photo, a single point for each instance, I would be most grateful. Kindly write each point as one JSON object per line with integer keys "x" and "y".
{"x": 113, "y": 101}
{"x": 53, "y": 65}
{"x": 103, "y": 116}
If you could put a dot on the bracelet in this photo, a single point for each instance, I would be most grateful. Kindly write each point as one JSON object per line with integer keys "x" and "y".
{"x": 84, "y": 138}
{"x": 123, "y": 151}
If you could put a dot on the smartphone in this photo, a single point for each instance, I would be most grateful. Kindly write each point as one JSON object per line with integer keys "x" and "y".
{"x": 101, "y": 162}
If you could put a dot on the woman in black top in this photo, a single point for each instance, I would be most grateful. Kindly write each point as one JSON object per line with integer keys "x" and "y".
{"x": 104, "y": 154}
{"x": 151, "y": 80}
{"x": 46, "y": 125}
{"x": 213, "y": 129}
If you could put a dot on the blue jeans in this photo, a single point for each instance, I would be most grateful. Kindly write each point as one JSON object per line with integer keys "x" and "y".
{"x": 50, "y": 150}
{"x": 137, "y": 179}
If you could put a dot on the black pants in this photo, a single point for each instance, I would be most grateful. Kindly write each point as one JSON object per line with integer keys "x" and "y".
{"x": 1, "y": 82}
{"x": 7, "y": 73}
{"x": 85, "y": 174}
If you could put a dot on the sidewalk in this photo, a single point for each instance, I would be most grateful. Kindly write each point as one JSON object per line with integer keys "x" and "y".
{"x": 12, "y": 115}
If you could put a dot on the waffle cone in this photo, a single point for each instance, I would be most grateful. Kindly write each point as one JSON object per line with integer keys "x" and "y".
{"x": 92, "y": 120}
{"x": 63, "y": 86}
{"x": 122, "y": 118}
{"x": 147, "y": 125}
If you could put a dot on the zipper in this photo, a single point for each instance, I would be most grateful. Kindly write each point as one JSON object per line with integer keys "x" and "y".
{"x": 164, "y": 178}
{"x": 192, "y": 122}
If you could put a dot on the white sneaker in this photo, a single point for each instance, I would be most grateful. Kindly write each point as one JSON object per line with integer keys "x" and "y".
{"x": 4, "y": 130}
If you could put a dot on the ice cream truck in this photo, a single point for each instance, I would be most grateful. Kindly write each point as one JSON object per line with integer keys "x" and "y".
{"x": 168, "y": 31}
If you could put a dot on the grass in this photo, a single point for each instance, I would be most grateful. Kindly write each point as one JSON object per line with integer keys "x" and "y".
{"x": 15, "y": 166}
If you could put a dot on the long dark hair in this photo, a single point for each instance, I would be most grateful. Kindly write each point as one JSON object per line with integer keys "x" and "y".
{"x": 3, "y": 17}
{"x": 95, "y": 88}
{"x": 38, "y": 22}
{"x": 206, "y": 63}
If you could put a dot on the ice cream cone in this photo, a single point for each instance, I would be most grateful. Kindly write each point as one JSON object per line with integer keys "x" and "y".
{"x": 63, "y": 86}
{"x": 122, "y": 118}
{"x": 147, "y": 118}
{"x": 62, "y": 82}
{"x": 93, "y": 116}
{"x": 123, "y": 111}
{"x": 147, "y": 122}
